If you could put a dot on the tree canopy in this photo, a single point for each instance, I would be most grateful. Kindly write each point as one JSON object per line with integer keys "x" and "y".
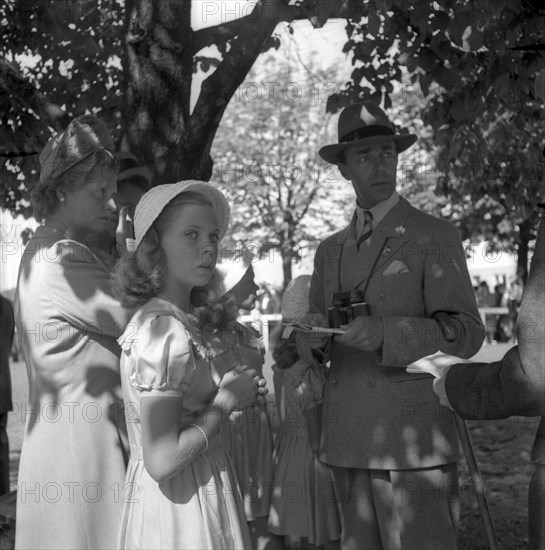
{"x": 133, "y": 63}
{"x": 474, "y": 64}
{"x": 284, "y": 197}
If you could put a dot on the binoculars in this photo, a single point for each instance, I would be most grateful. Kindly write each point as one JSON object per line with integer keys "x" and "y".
{"x": 346, "y": 307}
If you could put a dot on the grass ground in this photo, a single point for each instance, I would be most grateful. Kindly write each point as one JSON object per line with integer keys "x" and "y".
{"x": 502, "y": 449}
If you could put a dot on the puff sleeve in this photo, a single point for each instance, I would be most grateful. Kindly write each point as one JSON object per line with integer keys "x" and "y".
{"x": 161, "y": 356}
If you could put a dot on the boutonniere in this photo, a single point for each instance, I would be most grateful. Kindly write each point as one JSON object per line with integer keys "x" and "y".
{"x": 400, "y": 230}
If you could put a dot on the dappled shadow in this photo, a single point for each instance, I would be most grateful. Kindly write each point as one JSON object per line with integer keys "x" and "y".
{"x": 68, "y": 323}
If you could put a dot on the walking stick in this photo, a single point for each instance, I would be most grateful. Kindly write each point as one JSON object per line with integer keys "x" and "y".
{"x": 477, "y": 480}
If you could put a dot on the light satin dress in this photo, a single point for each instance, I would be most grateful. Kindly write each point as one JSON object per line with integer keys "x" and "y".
{"x": 200, "y": 507}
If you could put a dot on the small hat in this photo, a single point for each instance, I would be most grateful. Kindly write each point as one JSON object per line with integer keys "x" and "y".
{"x": 364, "y": 123}
{"x": 295, "y": 299}
{"x": 154, "y": 201}
{"x": 84, "y": 136}
{"x": 130, "y": 170}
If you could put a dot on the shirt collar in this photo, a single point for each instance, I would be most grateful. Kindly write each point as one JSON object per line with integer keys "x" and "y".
{"x": 379, "y": 211}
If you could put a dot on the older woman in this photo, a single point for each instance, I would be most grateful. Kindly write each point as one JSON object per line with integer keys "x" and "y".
{"x": 73, "y": 460}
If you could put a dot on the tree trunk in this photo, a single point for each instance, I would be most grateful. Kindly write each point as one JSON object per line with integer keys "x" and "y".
{"x": 158, "y": 69}
{"x": 286, "y": 267}
{"x": 159, "y": 66}
{"x": 524, "y": 237}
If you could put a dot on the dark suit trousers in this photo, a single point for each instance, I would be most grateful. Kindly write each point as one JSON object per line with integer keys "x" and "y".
{"x": 399, "y": 509}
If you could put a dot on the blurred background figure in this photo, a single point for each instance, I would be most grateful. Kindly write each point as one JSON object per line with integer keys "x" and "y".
{"x": 486, "y": 299}
{"x": 516, "y": 288}
{"x": 504, "y": 331}
{"x": 7, "y": 327}
{"x": 500, "y": 296}
{"x": 484, "y": 296}
{"x": 269, "y": 299}
{"x": 133, "y": 181}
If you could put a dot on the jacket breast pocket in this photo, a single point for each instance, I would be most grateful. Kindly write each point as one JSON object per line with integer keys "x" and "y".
{"x": 397, "y": 295}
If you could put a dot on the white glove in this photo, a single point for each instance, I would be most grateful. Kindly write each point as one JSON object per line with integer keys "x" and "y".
{"x": 438, "y": 365}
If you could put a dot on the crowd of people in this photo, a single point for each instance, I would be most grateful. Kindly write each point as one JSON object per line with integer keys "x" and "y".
{"x": 148, "y": 424}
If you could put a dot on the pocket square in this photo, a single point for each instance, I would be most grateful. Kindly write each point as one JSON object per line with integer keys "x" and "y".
{"x": 396, "y": 268}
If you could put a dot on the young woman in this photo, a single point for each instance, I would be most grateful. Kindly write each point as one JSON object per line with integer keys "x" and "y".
{"x": 181, "y": 490}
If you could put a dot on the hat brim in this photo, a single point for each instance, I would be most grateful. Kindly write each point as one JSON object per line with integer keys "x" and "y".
{"x": 330, "y": 153}
{"x": 141, "y": 171}
{"x": 220, "y": 204}
{"x": 153, "y": 202}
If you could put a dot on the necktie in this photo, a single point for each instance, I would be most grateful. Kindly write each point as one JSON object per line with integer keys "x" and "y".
{"x": 367, "y": 228}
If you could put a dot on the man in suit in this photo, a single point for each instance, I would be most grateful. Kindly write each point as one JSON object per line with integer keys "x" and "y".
{"x": 392, "y": 447}
{"x": 7, "y": 328}
{"x": 512, "y": 386}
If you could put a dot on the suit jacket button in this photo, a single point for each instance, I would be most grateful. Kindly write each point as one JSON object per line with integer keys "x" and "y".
{"x": 382, "y": 296}
{"x": 334, "y": 381}
{"x": 371, "y": 384}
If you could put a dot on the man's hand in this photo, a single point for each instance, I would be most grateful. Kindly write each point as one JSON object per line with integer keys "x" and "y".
{"x": 313, "y": 339}
{"x": 365, "y": 332}
{"x": 437, "y": 364}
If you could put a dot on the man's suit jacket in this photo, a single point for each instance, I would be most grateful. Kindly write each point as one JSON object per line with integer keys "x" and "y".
{"x": 515, "y": 385}
{"x": 375, "y": 414}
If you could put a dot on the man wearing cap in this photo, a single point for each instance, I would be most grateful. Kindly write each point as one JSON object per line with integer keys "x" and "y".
{"x": 133, "y": 181}
{"x": 392, "y": 447}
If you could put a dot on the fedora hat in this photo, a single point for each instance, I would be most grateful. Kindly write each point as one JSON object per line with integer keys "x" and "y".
{"x": 364, "y": 123}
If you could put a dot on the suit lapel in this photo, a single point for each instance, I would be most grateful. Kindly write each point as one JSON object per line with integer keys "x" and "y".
{"x": 334, "y": 253}
{"x": 389, "y": 235}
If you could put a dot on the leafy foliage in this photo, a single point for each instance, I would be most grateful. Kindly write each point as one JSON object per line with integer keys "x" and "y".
{"x": 474, "y": 64}
{"x": 58, "y": 60}
{"x": 133, "y": 61}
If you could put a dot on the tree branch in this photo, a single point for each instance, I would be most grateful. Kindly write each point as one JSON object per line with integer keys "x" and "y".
{"x": 270, "y": 9}
{"x": 218, "y": 89}
{"x": 218, "y": 33}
